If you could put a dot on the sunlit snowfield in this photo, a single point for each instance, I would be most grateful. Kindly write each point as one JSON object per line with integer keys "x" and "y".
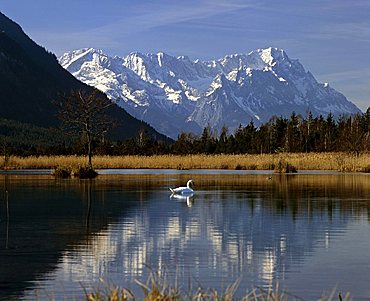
{"x": 308, "y": 232}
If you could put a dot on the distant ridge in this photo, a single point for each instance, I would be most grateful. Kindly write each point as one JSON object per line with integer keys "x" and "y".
{"x": 175, "y": 94}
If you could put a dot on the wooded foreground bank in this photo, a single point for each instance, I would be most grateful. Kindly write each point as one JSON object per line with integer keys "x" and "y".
{"x": 343, "y": 162}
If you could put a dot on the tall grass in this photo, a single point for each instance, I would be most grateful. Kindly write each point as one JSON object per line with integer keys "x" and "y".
{"x": 301, "y": 161}
{"x": 157, "y": 288}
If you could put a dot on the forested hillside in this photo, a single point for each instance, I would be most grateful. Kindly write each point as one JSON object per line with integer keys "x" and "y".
{"x": 31, "y": 79}
{"x": 18, "y": 138}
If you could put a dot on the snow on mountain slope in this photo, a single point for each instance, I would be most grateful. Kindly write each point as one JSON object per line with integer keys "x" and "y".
{"x": 177, "y": 94}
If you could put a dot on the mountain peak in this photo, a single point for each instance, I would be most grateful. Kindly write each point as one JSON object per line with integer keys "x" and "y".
{"x": 94, "y": 50}
{"x": 168, "y": 92}
{"x": 162, "y": 58}
{"x": 70, "y": 60}
{"x": 272, "y": 55}
{"x": 136, "y": 55}
{"x": 219, "y": 82}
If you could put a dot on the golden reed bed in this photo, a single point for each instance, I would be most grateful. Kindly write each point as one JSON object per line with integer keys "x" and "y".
{"x": 301, "y": 161}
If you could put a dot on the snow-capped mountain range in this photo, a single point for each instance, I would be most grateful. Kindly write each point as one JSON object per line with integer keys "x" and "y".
{"x": 176, "y": 94}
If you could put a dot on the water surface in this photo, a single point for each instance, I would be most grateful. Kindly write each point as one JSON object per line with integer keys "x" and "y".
{"x": 309, "y": 232}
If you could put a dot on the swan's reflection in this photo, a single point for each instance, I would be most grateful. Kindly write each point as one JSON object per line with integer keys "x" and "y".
{"x": 189, "y": 198}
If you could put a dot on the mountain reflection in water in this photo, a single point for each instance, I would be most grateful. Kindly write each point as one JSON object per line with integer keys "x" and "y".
{"x": 65, "y": 235}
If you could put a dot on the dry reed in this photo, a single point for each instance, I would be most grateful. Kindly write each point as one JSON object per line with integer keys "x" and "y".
{"x": 157, "y": 288}
{"x": 343, "y": 162}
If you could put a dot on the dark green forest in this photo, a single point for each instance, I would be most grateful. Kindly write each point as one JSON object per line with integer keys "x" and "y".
{"x": 294, "y": 134}
{"x": 280, "y": 134}
{"x": 24, "y": 139}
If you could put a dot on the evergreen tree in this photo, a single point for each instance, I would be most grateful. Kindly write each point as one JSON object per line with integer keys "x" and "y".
{"x": 207, "y": 143}
{"x": 278, "y": 139}
{"x": 222, "y": 142}
{"x": 184, "y": 144}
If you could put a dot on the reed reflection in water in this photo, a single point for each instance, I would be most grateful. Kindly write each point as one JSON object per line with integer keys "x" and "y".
{"x": 291, "y": 229}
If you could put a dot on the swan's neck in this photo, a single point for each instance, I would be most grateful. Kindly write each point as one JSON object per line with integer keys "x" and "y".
{"x": 188, "y": 184}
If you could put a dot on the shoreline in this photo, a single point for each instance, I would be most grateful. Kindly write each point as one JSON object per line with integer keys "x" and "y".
{"x": 158, "y": 171}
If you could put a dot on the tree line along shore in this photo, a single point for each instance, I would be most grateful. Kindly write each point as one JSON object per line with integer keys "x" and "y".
{"x": 279, "y": 135}
{"x": 282, "y": 144}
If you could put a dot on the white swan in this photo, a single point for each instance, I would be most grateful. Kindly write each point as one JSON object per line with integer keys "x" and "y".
{"x": 183, "y": 190}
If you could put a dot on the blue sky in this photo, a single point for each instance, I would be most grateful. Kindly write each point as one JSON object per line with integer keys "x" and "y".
{"x": 331, "y": 38}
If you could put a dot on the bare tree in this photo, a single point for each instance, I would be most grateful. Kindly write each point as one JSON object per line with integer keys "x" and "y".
{"x": 84, "y": 113}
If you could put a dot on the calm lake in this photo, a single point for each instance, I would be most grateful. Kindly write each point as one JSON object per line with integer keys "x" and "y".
{"x": 308, "y": 232}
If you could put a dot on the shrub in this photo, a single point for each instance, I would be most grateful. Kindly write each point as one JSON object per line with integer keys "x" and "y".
{"x": 62, "y": 172}
{"x": 84, "y": 172}
{"x": 181, "y": 167}
{"x": 271, "y": 166}
{"x": 240, "y": 167}
{"x": 365, "y": 169}
{"x": 284, "y": 167}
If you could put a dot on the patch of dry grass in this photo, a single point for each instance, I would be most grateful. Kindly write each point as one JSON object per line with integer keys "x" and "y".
{"x": 157, "y": 288}
{"x": 301, "y": 161}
